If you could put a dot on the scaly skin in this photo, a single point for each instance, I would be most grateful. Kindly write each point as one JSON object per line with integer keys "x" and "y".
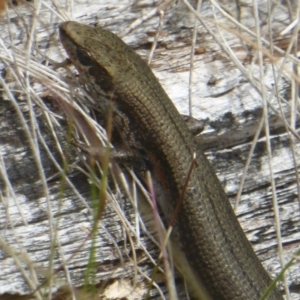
{"x": 146, "y": 119}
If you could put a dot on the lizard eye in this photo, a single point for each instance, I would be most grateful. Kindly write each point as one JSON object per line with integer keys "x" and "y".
{"x": 84, "y": 57}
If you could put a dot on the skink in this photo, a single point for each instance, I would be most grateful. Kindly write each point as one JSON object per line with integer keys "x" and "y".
{"x": 148, "y": 122}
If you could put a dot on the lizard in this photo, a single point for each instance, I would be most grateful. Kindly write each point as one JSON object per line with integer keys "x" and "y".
{"x": 206, "y": 228}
